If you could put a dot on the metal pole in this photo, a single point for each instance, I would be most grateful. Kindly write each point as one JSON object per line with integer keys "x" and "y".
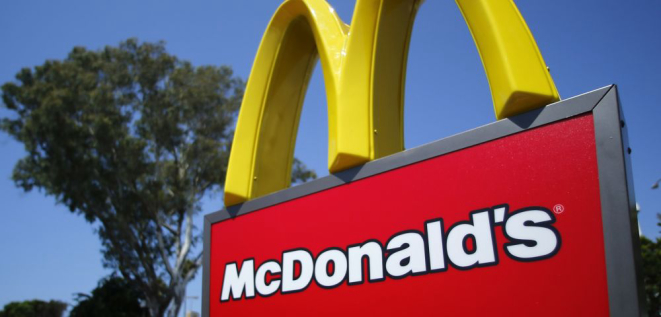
{"x": 186, "y": 301}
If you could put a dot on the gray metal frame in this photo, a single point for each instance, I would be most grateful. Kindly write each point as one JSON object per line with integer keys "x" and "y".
{"x": 620, "y": 225}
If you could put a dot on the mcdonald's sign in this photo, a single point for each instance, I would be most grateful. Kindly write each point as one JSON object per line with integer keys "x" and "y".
{"x": 531, "y": 215}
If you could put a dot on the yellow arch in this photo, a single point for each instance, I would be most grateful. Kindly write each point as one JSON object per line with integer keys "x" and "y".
{"x": 364, "y": 68}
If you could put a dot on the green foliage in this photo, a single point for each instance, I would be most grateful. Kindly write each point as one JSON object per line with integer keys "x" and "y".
{"x": 131, "y": 138}
{"x": 34, "y": 308}
{"x": 651, "y": 253}
{"x": 120, "y": 123}
{"x": 300, "y": 173}
{"x": 113, "y": 297}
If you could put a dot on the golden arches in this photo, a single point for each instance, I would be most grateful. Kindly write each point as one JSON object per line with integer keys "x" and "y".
{"x": 364, "y": 68}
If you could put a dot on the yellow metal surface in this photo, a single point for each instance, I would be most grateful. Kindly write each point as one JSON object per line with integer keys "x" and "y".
{"x": 364, "y": 68}
{"x": 364, "y": 86}
{"x": 518, "y": 76}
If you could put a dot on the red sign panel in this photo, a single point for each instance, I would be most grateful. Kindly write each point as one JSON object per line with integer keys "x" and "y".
{"x": 511, "y": 226}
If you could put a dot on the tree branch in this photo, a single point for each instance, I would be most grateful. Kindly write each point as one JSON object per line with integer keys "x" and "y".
{"x": 162, "y": 251}
{"x": 188, "y": 238}
{"x": 196, "y": 264}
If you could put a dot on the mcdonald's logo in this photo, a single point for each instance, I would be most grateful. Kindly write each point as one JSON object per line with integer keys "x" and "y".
{"x": 364, "y": 67}
{"x": 463, "y": 226}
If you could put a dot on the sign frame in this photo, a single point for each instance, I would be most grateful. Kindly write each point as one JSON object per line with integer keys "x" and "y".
{"x": 619, "y": 218}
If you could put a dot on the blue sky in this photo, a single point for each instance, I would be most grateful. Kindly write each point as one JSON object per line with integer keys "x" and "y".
{"x": 50, "y": 253}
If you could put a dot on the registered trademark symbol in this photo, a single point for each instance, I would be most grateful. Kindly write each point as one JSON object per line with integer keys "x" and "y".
{"x": 558, "y": 209}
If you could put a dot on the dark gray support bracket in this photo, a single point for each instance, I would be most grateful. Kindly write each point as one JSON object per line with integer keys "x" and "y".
{"x": 206, "y": 266}
{"x": 618, "y": 207}
{"x": 618, "y": 210}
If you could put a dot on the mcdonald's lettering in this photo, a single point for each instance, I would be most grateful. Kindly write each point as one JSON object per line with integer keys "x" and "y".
{"x": 465, "y": 245}
{"x": 364, "y": 67}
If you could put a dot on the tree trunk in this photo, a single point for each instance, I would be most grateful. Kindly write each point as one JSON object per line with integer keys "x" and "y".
{"x": 153, "y": 307}
{"x": 178, "y": 299}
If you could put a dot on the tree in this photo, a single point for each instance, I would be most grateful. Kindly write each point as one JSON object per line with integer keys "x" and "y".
{"x": 651, "y": 254}
{"x": 113, "y": 297}
{"x": 131, "y": 138}
{"x": 300, "y": 173}
{"x": 34, "y": 308}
